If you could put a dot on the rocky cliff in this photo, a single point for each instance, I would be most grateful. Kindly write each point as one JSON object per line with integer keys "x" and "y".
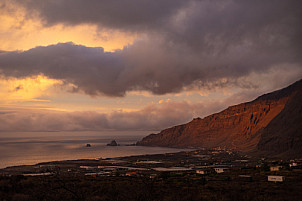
{"x": 245, "y": 127}
{"x": 283, "y": 135}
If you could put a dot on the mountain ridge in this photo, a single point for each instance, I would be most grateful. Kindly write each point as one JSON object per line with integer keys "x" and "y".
{"x": 240, "y": 127}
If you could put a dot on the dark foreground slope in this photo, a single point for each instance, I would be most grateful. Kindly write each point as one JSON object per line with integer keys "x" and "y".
{"x": 245, "y": 127}
{"x": 284, "y": 133}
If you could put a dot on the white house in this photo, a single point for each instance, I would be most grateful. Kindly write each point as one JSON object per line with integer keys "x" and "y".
{"x": 275, "y": 168}
{"x": 293, "y": 165}
{"x": 275, "y": 178}
{"x": 88, "y": 167}
{"x": 220, "y": 170}
{"x": 199, "y": 171}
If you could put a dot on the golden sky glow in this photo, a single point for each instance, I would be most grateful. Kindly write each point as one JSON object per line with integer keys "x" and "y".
{"x": 27, "y": 89}
{"x": 18, "y": 33}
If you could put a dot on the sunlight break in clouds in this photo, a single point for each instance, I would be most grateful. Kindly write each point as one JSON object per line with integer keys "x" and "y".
{"x": 19, "y": 33}
{"x": 26, "y": 89}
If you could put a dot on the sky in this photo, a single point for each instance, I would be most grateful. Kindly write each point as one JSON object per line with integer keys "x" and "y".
{"x": 77, "y": 65}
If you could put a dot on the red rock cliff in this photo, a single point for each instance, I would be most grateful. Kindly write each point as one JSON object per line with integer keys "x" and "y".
{"x": 237, "y": 127}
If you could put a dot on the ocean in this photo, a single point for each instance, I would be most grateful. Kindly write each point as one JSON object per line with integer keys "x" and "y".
{"x": 29, "y": 148}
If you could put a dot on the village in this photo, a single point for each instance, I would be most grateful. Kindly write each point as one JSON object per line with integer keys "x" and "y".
{"x": 205, "y": 170}
{"x": 206, "y": 163}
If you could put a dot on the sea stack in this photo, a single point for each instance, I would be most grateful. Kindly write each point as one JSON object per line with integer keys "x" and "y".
{"x": 112, "y": 143}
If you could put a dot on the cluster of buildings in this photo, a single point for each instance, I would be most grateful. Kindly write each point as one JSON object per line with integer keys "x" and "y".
{"x": 208, "y": 164}
{"x": 199, "y": 164}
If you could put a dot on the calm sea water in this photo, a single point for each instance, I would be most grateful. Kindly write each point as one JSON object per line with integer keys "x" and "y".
{"x": 25, "y": 148}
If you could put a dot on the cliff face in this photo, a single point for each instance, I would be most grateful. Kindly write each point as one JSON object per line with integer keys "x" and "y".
{"x": 283, "y": 135}
{"x": 238, "y": 127}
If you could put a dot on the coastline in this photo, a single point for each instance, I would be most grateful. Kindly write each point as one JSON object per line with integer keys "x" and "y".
{"x": 152, "y": 151}
{"x": 89, "y": 162}
{"x": 19, "y": 148}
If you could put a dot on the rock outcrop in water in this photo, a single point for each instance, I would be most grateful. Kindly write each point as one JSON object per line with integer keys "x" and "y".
{"x": 112, "y": 143}
{"x": 270, "y": 123}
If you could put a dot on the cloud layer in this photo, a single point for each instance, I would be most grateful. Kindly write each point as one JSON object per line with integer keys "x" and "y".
{"x": 187, "y": 43}
{"x": 183, "y": 44}
{"x": 152, "y": 117}
{"x": 129, "y": 15}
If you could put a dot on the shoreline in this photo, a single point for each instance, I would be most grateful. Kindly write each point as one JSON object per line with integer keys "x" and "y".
{"x": 101, "y": 158}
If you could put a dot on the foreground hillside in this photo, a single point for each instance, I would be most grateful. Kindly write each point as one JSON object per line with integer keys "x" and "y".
{"x": 269, "y": 123}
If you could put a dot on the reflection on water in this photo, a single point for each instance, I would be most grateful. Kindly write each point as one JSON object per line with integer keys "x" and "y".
{"x": 31, "y": 148}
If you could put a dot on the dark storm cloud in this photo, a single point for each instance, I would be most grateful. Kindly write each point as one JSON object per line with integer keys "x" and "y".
{"x": 91, "y": 69}
{"x": 145, "y": 65}
{"x": 196, "y": 22}
{"x": 121, "y": 14}
{"x": 185, "y": 44}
